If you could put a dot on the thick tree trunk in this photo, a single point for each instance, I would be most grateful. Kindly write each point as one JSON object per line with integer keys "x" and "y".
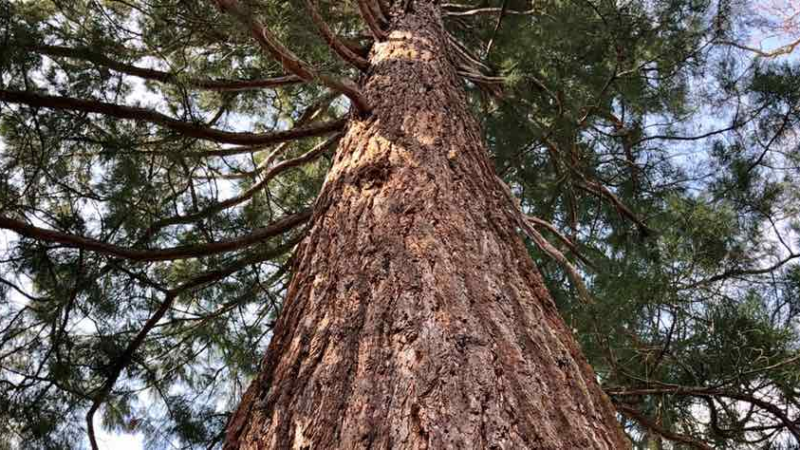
{"x": 415, "y": 318}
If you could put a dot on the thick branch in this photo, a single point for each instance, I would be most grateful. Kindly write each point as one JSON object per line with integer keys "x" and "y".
{"x": 167, "y": 254}
{"x": 385, "y": 8}
{"x": 291, "y": 63}
{"x": 165, "y": 77}
{"x": 185, "y": 128}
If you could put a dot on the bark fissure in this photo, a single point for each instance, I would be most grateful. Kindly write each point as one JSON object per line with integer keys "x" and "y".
{"x": 416, "y": 318}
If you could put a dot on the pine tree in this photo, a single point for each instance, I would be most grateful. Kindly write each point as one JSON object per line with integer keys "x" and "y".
{"x": 509, "y": 224}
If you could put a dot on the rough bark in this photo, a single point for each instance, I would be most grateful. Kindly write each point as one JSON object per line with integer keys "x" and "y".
{"x": 416, "y": 318}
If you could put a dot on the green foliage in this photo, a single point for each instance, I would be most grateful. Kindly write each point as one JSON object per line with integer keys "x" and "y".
{"x": 689, "y": 252}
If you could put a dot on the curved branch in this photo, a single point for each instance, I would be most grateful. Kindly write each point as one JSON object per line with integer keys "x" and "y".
{"x": 165, "y": 77}
{"x": 126, "y": 356}
{"x": 185, "y": 128}
{"x": 780, "y": 51}
{"x": 525, "y": 223}
{"x": 740, "y": 272}
{"x": 377, "y": 11}
{"x": 455, "y": 10}
{"x": 371, "y": 21}
{"x": 384, "y": 7}
{"x": 503, "y": 12}
{"x": 333, "y": 42}
{"x": 167, "y": 254}
{"x": 791, "y": 425}
{"x": 573, "y": 248}
{"x": 249, "y": 193}
{"x": 289, "y": 60}
{"x": 309, "y": 114}
{"x": 602, "y": 191}
{"x": 666, "y": 137}
{"x": 652, "y": 426}
{"x": 559, "y": 257}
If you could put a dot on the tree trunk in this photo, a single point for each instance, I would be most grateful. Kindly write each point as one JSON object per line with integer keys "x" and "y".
{"x": 416, "y": 318}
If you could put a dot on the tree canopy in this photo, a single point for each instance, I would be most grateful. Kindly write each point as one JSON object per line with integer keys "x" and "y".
{"x": 160, "y": 159}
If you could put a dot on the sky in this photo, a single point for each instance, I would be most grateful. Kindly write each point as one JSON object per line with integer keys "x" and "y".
{"x": 116, "y": 441}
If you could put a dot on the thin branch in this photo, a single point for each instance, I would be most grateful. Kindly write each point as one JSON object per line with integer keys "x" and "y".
{"x": 666, "y": 137}
{"x": 652, "y": 426}
{"x": 185, "y": 128}
{"x": 371, "y": 21}
{"x": 249, "y": 193}
{"x": 291, "y": 63}
{"x": 740, "y": 272}
{"x": 559, "y": 257}
{"x": 791, "y": 425}
{"x": 165, "y": 77}
{"x": 473, "y": 69}
{"x": 602, "y": 191}
{"x": 525, "y": 223}
{"x": 126, "y": 356}
{"x": 455, "y": 10}
{"x": 625, "y": 136}
{"x": 311, "y": 113}
{"x": 332, "y": 40}
{"x": 463, "y": 54}
{"x": 167, "y": 254}
{"x": 780, "y": 51}
{"x": 778, "y": 134}
{"x": 503, "y": 12}
{"x": 573, "y": 248}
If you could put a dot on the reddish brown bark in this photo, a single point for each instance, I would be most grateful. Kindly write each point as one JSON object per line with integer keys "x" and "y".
{"x": 416, "y": 318}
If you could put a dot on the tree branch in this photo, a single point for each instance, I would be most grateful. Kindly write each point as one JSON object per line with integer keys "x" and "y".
{"x": 573, "y": 248}
{"x": 309, "y": 114}
{"x": 456, "y": 10}
{"x": 791, "y": 425}
{"x": 652, "y": 426}
{"x": 384, "y": 7}
{"x": 333, "y": 42}
{"x": 185, "y": 128}
{"x": 126, "y": 356}
{"x": 740, "y": 272}
{"x": 503, "y": 12}
{"x": 602, "y": 191}
{"x": 525, "y": 223}
{"x": 371, "y": 21}
{"x": 780, "y": 51}
{"x": 165, "y": 77}
{"x": 167, "y": 254}
{"x": 249, "y": 193}
{"x": 291, "y": 63}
